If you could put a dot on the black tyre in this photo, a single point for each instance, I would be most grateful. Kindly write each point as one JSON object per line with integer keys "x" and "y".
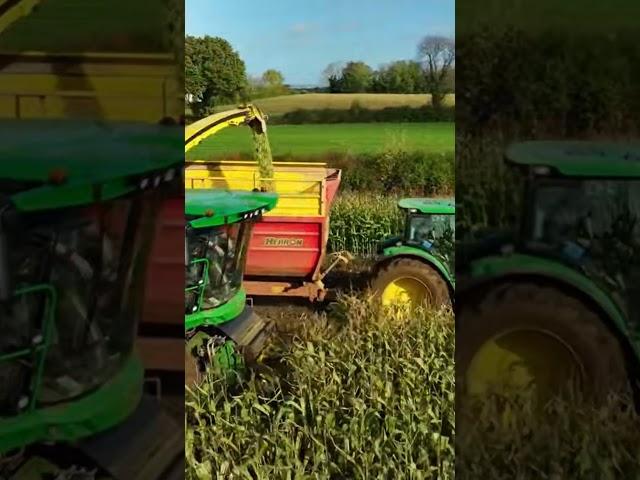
{"x": 409, "y": 281}
{"x": 519, "y": 332}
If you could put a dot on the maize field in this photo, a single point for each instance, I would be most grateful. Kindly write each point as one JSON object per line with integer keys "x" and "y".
{"x": 360, "y": 220}
{"x": 357, "y": 393}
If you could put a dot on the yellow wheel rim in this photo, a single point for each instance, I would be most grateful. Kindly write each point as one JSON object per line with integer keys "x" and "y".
{"x": 523, "y": 361}
{"x": 407, "y": 291}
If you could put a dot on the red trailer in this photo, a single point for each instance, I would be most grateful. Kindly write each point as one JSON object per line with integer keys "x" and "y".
{"x": 161, "y": 342}
{"x": 288, "y": 247}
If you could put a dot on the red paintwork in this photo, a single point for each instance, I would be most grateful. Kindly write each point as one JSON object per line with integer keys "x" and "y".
{"x": 164, "y": 302}
{"x": 301, "y": 261}
{"x": 298, "y": 260}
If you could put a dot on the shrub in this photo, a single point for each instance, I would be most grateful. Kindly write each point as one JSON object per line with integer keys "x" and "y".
{"x": 359, "y": 114}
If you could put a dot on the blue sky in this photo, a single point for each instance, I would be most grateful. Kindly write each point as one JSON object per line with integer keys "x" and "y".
{"x": 301, "y": 37}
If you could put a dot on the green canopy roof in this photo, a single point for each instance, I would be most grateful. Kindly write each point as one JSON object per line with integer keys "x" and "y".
{"x": 579, "y": 158}
{"x": 88, "y": 155}
{"x": 211, "y": 208}
{"x": 442, "y": 206}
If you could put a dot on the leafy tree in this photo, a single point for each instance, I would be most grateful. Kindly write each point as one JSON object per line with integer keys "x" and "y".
{"x": 400, "y": 77}
{"x": 333, "y": 76}
{"x": 214, "y": 73}
{"x": 357, "y": 77}
{"x": 437, "y": 54}
{"x": 273, "y": 78}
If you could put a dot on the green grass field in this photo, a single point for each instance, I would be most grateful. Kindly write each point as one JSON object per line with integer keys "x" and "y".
{"x": 314, "y": 140}
{"x": 341, "y": 101}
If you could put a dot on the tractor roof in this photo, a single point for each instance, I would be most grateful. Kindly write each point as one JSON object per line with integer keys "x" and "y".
{"x": 60, "y": 163}
{"x": 212, "y": 208}
{"x": 442, "y": 206}
{"x": 579, "y": 158}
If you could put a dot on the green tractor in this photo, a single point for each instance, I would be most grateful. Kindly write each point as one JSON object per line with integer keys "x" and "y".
{"x": 416, "y": 268}
{"x": 74, "y": 241}
{"x": 221, "y": 330}
{"x": 556, "y": 303}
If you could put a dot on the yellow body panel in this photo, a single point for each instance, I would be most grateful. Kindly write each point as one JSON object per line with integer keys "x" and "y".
{"x": 300, "y": 186}
{"x": 111, "y": 87}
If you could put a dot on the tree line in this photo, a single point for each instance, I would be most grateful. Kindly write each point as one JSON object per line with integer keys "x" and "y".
{"x": 215, "y": 74}
{"x": 434, "y": 73}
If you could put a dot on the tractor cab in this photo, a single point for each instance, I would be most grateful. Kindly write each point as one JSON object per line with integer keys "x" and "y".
{"x": 559, "y": 301}
{"x": 74, "y": 238}
{"x": 582, "y": 208}
{"x": 430, "y": 225}
{"x": 417, "y": 267}
{"x": 219, "y": 224}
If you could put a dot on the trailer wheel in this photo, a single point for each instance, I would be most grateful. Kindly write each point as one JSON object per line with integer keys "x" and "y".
{"x": 410, "y": 282}
{"x": 527, "y": 336}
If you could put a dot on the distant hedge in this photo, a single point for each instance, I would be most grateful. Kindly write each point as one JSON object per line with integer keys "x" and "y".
{"x": 398, "y": 172}
{"x": 358, "y": 114}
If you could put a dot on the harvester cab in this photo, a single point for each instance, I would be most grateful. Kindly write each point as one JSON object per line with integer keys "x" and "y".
{"x": 221, "y": 329}
{"x": 556, "y": 302}
{"x": 416, "y": 267}
{"x": 74, "y": 238}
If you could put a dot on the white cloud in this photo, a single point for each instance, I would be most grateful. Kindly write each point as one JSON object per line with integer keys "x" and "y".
{"x": 302, "y": 28}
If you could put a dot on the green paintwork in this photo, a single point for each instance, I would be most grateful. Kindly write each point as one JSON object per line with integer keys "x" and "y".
{"x": 579, "y": 159}
{"x": 226, "y": 207}
{"x": 219, "y": 315}
{"x": 120, "y": 154}
{"x": 497, "y": 267}
{"x": 229, "y": 360}
{"x": 105, "y": 408}
{"x": 38, "y": 352}
{"x": 403, "y": 246}
{"x": 415, "y": 252}
{"x": 437, "y": 206}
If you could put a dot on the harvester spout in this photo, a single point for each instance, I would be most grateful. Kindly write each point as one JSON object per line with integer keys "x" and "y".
{"x": 10, "y": 11}
{"x": 248, "y": 115}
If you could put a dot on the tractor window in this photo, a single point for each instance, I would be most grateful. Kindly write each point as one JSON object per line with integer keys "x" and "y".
{"x": 225, "y": 250}
{"x": 585, "y": 211}
{"x": 94, "y": 262}
{"x": 595, "y": 226}
{"x": 435, "y": 233}
{"x": 431, "y": 228}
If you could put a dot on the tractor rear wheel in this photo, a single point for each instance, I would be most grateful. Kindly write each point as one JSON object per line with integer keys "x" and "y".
{"x": 410, "y": 282}
{"x": 526, "y": 336}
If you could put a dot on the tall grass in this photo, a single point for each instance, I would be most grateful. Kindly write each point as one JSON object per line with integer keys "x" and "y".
{"x": 367, "y": 395}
